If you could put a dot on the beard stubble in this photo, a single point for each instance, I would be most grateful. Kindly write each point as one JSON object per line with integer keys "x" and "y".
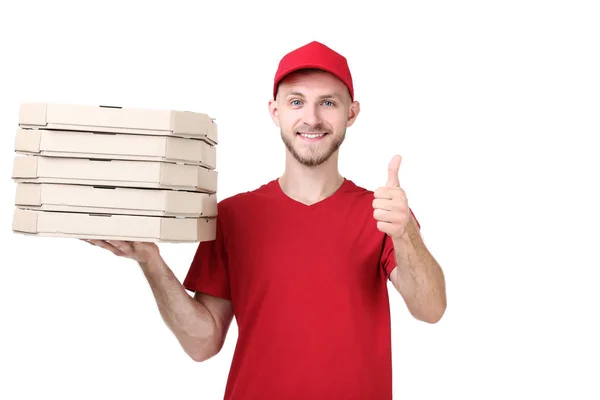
{"x": 313, "y": 157}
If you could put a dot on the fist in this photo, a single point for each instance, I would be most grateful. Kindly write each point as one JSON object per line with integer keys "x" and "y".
{"x": 390, "y": 206}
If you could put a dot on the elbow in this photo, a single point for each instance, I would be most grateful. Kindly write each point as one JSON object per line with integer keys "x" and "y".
{"x": 432, "y": 318}
{"x": 432, "y": 314}
{"x": 203, "y": 349}
{"x": 201, "y": 355}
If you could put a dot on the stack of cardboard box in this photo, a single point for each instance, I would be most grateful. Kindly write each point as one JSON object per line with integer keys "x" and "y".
{"x": 114, "y": 173}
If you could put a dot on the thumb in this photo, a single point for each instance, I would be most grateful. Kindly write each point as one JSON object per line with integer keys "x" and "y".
{"x": 393, "y": 168}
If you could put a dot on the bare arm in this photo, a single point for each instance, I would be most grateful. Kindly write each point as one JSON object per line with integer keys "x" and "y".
{"x": 199, "y": 323}
{"x": 418, "y": 277}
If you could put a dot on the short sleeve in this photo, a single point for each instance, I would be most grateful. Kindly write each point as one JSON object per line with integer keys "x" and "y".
{"x": 208, "y": 272}
{"x": 388, "y": 256}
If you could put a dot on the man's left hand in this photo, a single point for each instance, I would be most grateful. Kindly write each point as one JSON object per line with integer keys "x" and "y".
{"x": 390, "y": 206}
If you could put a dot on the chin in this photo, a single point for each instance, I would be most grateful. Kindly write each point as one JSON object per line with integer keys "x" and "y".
{"x": 312, "y": 161}
{"x": 311, "y": 151}
{"x": 311, "y": 156}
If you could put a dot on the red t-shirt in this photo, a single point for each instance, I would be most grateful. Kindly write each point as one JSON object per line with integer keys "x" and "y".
{"x": 308, "y": 286}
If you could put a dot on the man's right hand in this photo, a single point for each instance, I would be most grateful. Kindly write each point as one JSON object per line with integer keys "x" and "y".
{"x": 200, "y": 323}
{"x": 142, "y": 252}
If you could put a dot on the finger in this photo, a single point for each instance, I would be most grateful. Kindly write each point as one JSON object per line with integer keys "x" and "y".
{"x": 384, "y": 192}
{"x": 385, "y": 204}
{"x": 387, "y": 216}
{"x": 393, "y": 171}
{"x": 119, "y": 242}
{"x": 122, "y": 246}
{"x": 95, "y": 242}
{"x": 385, "y": 227}
{"x": 390, "y": 193}
{"x": 106, "y": 245}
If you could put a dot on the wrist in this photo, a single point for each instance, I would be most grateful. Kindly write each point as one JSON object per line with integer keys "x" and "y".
{"x": 152, "y": 263}
{"x": 408, "y": 236}
{"x": 400, "y": 241}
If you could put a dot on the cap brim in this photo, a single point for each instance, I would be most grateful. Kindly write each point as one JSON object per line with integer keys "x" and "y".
{"x": 287, "y": 72}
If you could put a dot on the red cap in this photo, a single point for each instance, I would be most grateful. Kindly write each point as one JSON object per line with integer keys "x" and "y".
{"x": 315, "y": 55}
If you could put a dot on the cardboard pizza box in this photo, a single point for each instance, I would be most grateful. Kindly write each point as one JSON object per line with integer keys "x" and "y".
{"x": 114, "y": 173}
{"x": 113, "y": 227}
{"x": 115, "y": 146}
{"x": 128, "y": 201}
{"x": 116, "y": 119}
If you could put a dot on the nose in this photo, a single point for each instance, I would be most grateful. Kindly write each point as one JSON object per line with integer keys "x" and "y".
{"x": 312, "y": 116}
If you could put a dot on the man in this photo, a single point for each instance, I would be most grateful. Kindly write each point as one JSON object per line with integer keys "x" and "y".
{"x": 303, "y": 261}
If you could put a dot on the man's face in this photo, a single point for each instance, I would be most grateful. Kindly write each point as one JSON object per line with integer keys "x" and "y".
{"x": 313, "y": 110}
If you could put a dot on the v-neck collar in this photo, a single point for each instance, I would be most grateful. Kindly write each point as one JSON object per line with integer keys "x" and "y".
{"x": 289, "y": 200}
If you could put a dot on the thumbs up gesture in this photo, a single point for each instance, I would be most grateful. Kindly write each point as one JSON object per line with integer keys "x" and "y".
{"x": 390, "y": 206}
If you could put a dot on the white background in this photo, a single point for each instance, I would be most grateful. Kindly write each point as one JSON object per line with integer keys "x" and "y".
{"x": 494, "y": 107}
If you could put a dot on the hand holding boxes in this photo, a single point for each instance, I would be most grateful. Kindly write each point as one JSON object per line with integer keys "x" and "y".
{"x": 113, "y": 173}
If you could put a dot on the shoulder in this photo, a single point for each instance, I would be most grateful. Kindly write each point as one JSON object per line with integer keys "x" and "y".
{"x": 245, "y": 200}
{"x": 357, "y": 192}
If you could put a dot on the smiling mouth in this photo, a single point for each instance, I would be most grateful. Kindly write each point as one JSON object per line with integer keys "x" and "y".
{"x": 312, "y": 135}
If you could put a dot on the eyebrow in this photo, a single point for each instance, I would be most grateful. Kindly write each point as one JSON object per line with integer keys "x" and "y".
{"x": 325, "y": 96}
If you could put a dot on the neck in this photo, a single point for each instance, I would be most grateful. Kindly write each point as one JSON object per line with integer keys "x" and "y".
{"x": 310, "y": 185}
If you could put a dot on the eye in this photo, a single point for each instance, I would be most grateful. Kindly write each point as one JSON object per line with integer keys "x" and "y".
{"x": 295, "y": 102}
{"x": 328, "y": 103}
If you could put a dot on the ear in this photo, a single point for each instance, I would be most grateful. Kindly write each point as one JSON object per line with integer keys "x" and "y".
{"x": 353, "y": 112}
{"x": 274, "y": 111}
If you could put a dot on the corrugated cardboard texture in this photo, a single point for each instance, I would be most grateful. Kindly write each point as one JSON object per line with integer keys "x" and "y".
{"x": 117, "y": 119}
{"x": 127, "y": 201}
{"x": 117, "y": 173}
{"x": 80, "y": 144}
{"x": 113, "y": 227}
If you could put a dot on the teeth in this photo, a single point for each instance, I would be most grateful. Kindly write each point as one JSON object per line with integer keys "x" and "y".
{"x": 312, "y": 136}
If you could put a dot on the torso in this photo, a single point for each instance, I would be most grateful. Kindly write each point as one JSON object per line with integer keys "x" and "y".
{"x": 309, "y": 296}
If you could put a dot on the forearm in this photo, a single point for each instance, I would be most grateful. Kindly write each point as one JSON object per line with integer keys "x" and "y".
{"x": 189, "y": 320}
{"x": 418, "y": 277}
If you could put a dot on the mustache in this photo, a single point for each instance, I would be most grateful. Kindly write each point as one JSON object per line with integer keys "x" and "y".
{"x": 311, "y": 129}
